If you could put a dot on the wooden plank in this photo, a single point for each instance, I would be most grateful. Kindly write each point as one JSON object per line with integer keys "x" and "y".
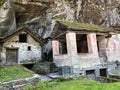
{"x": 113, "y": 79}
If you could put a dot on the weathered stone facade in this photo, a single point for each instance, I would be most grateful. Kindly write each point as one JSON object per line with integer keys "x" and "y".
{"x": 72, "y": 58}
{"x": 24, "y": 52}
{"x": 94, "y": 63}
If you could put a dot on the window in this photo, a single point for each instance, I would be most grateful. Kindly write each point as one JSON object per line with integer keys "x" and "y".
{"x": 29, "y": 48}
{"x": 88, "y": 72}
{"x": 103, "y": 72}
{"x": 91, "y": 74}
{"x": 23, "y": 38}
{"x": 0, "y": 48}
{"x": 63, "y": 47}
{"x": 82, "y": 45}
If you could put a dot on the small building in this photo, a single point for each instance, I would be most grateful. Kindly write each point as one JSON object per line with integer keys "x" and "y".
{"x": 21, "y": 46}
{"x": 81, "y": 47}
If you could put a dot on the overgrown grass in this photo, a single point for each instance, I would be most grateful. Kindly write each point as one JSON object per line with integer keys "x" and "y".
{"x": 8, "y": 73}
{"x": 80, "y": 84}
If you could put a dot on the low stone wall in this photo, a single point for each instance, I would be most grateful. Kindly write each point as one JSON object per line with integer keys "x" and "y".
{"x": 15, "y": 84}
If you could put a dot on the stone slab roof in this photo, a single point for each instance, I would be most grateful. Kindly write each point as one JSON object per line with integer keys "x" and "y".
{"x": 65, "y": 26}
{"x": 33, "y": 33}
{"x": 81, "y": 26}
{"x": 116, "y": 27}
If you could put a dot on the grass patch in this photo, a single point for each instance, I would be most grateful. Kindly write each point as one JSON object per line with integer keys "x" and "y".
{"x": 8, "y": 73}
{"x": 80, "y": 84}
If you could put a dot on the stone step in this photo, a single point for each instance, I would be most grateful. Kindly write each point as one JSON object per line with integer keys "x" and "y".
{"x": 54, "y": 75}
{"x": 45, "y": 78}
{"x": 19, "y": 86}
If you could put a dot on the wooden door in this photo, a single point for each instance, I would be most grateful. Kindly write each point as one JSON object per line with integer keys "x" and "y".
{"x": 11, "y": 56}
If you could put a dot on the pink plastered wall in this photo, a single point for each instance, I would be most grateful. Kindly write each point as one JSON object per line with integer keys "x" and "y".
{"x": 110, "y": 48}
{"x": 92, "y": 44}
{"x": 72, "y": 57}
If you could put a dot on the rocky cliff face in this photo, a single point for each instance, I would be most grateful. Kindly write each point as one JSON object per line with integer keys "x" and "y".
{"x": 41, "y": 14}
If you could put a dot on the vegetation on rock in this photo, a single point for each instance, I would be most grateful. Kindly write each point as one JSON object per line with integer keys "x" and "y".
{"x": 8, "y": 73}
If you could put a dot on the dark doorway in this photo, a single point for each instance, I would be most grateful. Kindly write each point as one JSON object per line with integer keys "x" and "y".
{"x": 28, "y": 66}
{"x": 103, "y": 72}
{"x": 11, "y": 56}
{"x": 82, "y": 45}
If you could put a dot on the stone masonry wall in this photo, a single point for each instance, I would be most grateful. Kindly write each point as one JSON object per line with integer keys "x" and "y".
{"x": 24, "y": 56}
{"x": 15, "y": 84}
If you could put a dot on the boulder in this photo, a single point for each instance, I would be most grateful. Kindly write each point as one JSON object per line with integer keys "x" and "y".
{"x": 3, "y": 88}
{"x": 42, "y": 68}
{"x": 7, "y": 17}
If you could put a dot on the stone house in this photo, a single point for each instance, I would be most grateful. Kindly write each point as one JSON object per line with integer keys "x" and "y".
{"x": 81, "y": 47}
{"x": 21, "y": 46}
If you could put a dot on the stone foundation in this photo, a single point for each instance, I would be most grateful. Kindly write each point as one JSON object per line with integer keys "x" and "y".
{"x": 93, "y": 72}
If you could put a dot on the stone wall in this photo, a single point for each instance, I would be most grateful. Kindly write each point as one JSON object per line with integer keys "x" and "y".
{"x": 110, "y": 48}
{"x": 113, "y": 48}
{"x": 15, "y": 84}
